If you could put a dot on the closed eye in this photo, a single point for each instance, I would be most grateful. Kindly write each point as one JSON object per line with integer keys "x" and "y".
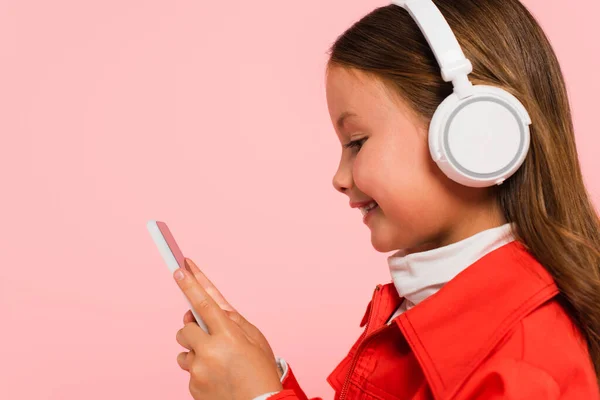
{"x": 355, "y": 143}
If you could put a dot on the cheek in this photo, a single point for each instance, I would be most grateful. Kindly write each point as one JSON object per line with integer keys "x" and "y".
{"x": 383, "y": 169}
{"x": 409, "y": 183}
{"x": 402, "y": 177}
{"x": 366, "y": 172}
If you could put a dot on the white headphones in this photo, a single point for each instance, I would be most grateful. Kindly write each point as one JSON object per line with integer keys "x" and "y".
{"x": 479, "y": 135}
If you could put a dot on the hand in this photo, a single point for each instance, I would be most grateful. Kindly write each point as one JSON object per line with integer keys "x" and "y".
{"x": 234, "y": 360}
{"x": 250, "y": 330}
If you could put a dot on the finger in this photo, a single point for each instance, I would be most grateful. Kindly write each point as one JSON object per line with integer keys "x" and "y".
{"x": 182, "y": 339}
{"x": 210, "y": 288}
{"x": 185, "y": 359}
{"x": 189, "y": 317}
{"x": 193, "y": 338}
{"x": 206, "y": 307}
{"x": 239, "y": 320}
{"x": 181, "y": 360}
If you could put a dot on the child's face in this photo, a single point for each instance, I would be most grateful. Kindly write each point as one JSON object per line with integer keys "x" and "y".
{"x": 417, "y": 202}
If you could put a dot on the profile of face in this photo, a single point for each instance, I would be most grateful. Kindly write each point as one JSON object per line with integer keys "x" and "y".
{"x": 419, "y": 208}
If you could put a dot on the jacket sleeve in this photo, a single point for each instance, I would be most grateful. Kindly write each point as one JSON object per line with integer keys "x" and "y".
{"x": 291, "y": 388}
{"x": 514, "y": 380}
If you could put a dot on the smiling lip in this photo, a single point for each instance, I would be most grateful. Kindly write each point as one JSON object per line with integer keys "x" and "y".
{"x": 369, "y": 214}
{"x": 360, "y": 204}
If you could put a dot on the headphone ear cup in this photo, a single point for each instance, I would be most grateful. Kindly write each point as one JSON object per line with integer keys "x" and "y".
{"x": 481, "y": 140}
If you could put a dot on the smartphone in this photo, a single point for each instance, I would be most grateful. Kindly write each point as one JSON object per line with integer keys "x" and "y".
{"x": 171, "y": 253}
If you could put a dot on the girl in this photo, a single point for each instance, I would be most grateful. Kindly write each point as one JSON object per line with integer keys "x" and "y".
{"x": 495, "y": 291}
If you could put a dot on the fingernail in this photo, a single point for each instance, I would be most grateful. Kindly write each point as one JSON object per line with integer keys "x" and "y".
{"x": 186, "y": 262}
{"x": 179, "y": 275}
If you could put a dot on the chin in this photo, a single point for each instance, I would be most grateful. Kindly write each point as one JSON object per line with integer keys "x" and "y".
{"x": 388, "y": 240}
{"x": 383, "y": 243}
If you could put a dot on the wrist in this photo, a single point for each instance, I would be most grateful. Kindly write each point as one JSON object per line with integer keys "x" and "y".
{"x": 279, "y": 370}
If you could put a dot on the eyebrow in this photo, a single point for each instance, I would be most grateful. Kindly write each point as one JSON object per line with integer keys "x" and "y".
{"x": 342, "y": 118}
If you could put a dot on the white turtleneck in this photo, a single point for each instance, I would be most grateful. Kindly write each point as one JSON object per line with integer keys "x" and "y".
{"x": 417, "y": 276}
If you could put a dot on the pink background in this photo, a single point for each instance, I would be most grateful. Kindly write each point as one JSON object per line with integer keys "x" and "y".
{"x": 210, "y": 116}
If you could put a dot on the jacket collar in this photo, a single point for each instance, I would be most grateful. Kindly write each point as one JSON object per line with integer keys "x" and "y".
{"x": 452, "y": 331}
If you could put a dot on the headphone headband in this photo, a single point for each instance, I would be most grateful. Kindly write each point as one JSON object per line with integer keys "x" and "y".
{"x": 454, "y": 65}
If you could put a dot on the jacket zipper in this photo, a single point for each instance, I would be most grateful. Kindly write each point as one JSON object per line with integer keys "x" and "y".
{"x": 360, "y": 344}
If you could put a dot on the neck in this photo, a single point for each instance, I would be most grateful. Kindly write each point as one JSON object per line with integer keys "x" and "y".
{"x": 418, "y": 275}
{"x": 470, "y": 225}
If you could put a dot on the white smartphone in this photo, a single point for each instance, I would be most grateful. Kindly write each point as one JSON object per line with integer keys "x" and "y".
{"x": 170, "y": 252}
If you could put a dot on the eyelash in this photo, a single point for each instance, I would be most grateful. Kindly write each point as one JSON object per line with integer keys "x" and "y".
{"x": 355, "y": 143}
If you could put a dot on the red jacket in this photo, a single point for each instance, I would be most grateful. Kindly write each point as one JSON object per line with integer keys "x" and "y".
{"x": 495, "y": 331}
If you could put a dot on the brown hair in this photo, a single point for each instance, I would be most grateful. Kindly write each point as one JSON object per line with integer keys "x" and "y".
{"x": 546, "y": 198}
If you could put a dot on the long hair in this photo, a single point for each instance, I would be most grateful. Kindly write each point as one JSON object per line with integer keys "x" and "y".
{"x": 546, "y": 198}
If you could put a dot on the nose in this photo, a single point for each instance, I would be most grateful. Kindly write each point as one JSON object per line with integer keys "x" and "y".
{"x": 342, "y": 179}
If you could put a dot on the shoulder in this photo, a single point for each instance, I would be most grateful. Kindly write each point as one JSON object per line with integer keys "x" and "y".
{"x": 551, "y": 339}
{"x": 544, "y": 356}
